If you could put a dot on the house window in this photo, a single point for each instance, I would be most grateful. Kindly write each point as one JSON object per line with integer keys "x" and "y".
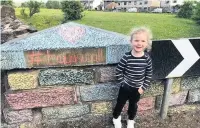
{"x": 140, "y": 3}
{"x": 167, "y": 2}
{"x": 135, "y": 2}
{"x": 124, "y": 3}
{"x": 146, "y": 2}
{"x": 174, "y": 1}
{"x": 118, "y": 3}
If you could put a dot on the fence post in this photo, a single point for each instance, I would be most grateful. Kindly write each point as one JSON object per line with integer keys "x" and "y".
{"x": 166, "y": 97}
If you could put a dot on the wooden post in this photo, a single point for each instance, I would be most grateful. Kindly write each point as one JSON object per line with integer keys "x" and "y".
{"x": 165, "y": 99}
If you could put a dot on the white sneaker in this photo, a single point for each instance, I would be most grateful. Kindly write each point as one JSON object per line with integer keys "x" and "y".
{"x": 130, "y": 123}
{"x": 117, "y": 122}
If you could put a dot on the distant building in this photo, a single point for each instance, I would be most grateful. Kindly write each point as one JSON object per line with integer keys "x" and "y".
{"x": 141, "y": 5}
{"x": 92, "y": 4}
{"x": 171, "y": 5}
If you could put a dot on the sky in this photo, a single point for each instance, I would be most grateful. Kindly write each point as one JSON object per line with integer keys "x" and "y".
{"x": 18, "y": 2}
{"x": 21, "y": 1}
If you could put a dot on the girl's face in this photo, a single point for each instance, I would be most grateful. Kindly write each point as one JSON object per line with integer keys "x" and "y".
{"x": 139, "y": 42}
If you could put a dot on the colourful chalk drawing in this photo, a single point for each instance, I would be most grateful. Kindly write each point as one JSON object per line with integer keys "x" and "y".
{"x": 72, "y": 33}
{"x": 84, "y": 56}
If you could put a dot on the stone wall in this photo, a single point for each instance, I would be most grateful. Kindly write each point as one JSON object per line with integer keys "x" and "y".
{"x": 81, "y": 97}
{"x": 11, "y": 27}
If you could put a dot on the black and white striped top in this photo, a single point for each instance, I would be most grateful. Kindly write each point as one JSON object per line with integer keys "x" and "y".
{"x": 135, "y": 71}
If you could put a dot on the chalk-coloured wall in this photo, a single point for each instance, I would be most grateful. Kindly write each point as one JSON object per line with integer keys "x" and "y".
{"x": 83, "y": 96}
{"x": 55, "y": 78}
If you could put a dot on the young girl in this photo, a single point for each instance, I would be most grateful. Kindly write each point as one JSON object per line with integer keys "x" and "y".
{"x": 134, "y": 73}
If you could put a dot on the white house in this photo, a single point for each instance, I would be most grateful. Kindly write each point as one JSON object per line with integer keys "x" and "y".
{"x": 92, "y": 4}
{"x": 141, "y": 5}
{"x": 170, "y": 5}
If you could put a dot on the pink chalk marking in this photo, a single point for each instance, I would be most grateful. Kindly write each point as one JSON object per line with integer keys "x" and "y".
{"x": 72, "y": 33}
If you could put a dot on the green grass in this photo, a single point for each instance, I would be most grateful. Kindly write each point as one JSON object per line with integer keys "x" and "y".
{"x": 44, "y": 19}
{"x": 164, "y": 26}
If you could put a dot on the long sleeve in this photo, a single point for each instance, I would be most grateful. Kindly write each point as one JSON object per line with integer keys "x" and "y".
{"x": 120, "y": 68}
{"x": 148, "y": 74}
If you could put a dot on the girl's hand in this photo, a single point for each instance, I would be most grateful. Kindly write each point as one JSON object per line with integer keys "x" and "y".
{"x": 140, "y": 90}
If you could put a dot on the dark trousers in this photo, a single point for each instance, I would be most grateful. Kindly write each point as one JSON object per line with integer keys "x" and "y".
{"x": 127, "y": 93}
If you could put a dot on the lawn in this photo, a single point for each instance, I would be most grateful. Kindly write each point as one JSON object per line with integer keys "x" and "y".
{"x": 44, "y": 19}
{"x": 164, "y": 26}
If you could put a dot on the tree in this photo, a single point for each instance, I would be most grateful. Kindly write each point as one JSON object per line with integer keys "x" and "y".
{"x": 42, "y": 5}
{"x": 24, "y": 4}
{"x": 196, "y": 15}
{"x": 186, "y": 10}
{"x": 23, "y": 13}
{"x": 72, "y": 10}
{"x": 34, "y": 7}
{"x": 53, "y": 4}
{"x": 7, "y": 2}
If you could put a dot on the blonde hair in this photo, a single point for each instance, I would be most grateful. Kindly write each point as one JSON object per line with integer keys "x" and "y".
{"x": 143, "y": 30}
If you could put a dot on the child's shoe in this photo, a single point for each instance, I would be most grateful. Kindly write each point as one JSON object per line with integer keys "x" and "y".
{"x": 117, "y": 122}
{"x": 130, "y": 123}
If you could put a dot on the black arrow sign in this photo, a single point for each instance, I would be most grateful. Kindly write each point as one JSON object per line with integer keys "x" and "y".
{"x": 176, "y": 58}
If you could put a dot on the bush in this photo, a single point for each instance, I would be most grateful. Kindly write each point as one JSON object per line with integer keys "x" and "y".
{"x": 186, "y": 10}
{"x": 7, "y": 2}
{"x": 196, "y": 15}
{"x": 52, "y": 4}
{"x": 72, "y": 10}
{"x": 23, "y": 13}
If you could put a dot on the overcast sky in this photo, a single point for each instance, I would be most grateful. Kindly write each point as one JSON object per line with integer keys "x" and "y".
{"x": 21, "y": 1}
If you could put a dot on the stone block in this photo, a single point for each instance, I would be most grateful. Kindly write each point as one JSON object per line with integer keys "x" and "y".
{"x": 99, "y": 92}
{"x": 176, "y": 86}
{"x": 190, "y": 83}
{"x": 106, "y": 74}
{"x": 65, "y": 77}
{"x": 87, "y": 121}
{"x": 65, "y": 112}
{"x": 194, "y": 96}
{"x": 23, "y": 80}
{"x": 13, "y": 117}
{"x": 42, "y": 98}
{"x": 101, "y": 108}
{"x": 175, "y": 99}
{"x": 156, "y": 88}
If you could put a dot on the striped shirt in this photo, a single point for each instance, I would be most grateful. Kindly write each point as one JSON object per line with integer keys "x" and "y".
{"x": 135, "y": 71}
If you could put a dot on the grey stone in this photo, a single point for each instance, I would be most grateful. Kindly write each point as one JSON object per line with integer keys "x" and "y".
{"x": 19, "y": 31}
{"x": 156, "y": 88}
{"x": 6, "y": 35}
{"x": 116, "y": 52}
{"x": 158, "y": 102}
{"x": 87, "y": 121}
{"x": 20, "y": 116}
{"x": 37, "y": 119}
{"x": 11, "y": 56}
{"x": 175, "y": 99}
{"x": 99, "y": 92}
{"x": 6, "y": 26}
{"x": 190, "y": 83}
{"x": 65, "y": 76}
{"x": 65, "y": 112}
{"x": 14, "y": 25}
{"x": 4, "y": 125}
{"x": 106, "y": 73}
{"x": 7, "y": 11}
{"x": 194, "y": 96}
